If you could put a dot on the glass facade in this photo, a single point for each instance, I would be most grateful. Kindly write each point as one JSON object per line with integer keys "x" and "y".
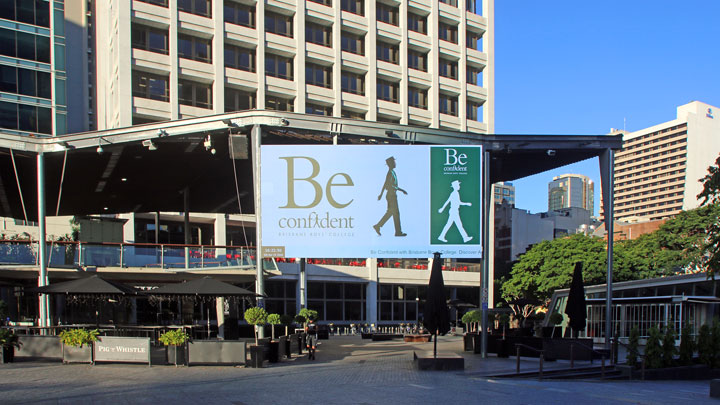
{"x": 336, "y": 302}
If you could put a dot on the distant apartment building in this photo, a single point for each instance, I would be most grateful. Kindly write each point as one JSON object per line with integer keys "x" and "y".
{"x": 504, "y": 191}
{"x": 658, "y": 168}
{"x": 571, "y": 190}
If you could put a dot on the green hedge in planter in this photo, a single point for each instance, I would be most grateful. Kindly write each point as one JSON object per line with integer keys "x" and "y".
{"x": 78, "y": 337}
{"x": 175, "y": 337}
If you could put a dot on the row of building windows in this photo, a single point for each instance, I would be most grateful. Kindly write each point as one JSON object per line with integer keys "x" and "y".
{"x": 25, "y": 117}
{"x": 35, "y": 12}
{"x": 24, "y": 45}
{"x": 657, "y": 162}
{"x": 643, "y": 161}
{"x": 654, "y": 197}
{"x": 648, "y": 206}
{"x": 25, "y": 81}
{"x": 657, "y": 146}
{"x": 647, "y": 137}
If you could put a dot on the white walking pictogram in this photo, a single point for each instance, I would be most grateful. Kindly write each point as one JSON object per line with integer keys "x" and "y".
{"x": 454, "y": 213}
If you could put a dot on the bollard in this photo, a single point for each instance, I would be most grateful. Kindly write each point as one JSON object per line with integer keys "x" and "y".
{"x": 602, "y": 368}
{"x": 572, "y": 355}
{"x": 542, "y": 360}
{"x": 517, "y": 366}
{"x": 642, "y": 370}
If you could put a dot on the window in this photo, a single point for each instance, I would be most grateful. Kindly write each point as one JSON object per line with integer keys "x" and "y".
{"x": 150, "y": 39}
{"x": 239, "y": 14}
{"x": 194, "y": 94}
{"x": 352, "y": 43}
{"x": 318, "y": 34}
{"x": 353, "y": 83}
{"x": 474, "y": 6}
{"x": 323, "y": 2}
{"x": 474, "y": 75}
{"x": 473, "y": 40}
{"x": 387, "y": 14}
{"x": 450, "y": 2}
{"x": 318, "y": 75}
{"x": 318, "y": 109}
{"x": 199, "y": 7}
{"x": 161, "y": 3}
{"x": 388, "y": 53}
{"x": 279, "y": 24}
{"x": 279, "y": 66}
{"x": 148, "y": 85}
{"x": 448, "y": 104}
{"x": 418, "y": 97}
{"x": 25, "y": 117}
{"x": 138, "y": 120}
{"x": 447, "y": 32}
{"x": 417, "y": 60}
{"x": 387, "y": 91}
{"x": 237, "y": 57}
{"x": 353, "y": 6}
{"x": 473, "y": 111}
{"x": 278, "y": 104}
{"x": 417, "y": 23}
{"x": 24, "y": 45}
{"x": 448, "y": 68}
{"x": 353, "y": 115}
{"x": 35, "y": 12}
{"x": 24, "y": 81}
{"x": 238, "y": 100}
{"x": 194, "y": 48}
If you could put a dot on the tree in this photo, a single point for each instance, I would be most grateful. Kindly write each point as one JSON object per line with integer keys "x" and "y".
{"x": 273, "y": 319}
{"x": 687, "y": 345}
{"x": 306, "y": 315}
{"x": 710, "y": 258}
{"x": 668, "y": 346}
{"x": 256, "y": 316}
{"x": 286, "y": 320}
{"x": 704, "y": 345}
{"x": 633, "y": 343}
{"x": 653, "y": 350}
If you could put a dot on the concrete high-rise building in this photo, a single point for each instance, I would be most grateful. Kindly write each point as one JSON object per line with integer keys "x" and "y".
{"x": 658, "y": 168}
{"x": 571, "y": 190}
{"x": 504, "y": 191}
{"x": 418, "y": 63}
{"x": 33, "y": 78}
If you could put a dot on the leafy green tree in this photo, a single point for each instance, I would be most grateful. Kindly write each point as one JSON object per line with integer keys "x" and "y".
{"x": 308, "y": 315}
{"x": 715, "y": 343}
{"x": 633, "y": 353}
{"x": 273, "y": 319}
{"x": 704, "y": 344}
{"x": 286, "y": 320}
{"x": 256, "y": 316}
{"x": 668, "y": 347}
{"x": 548, "y": 266}
{"x": 653, "y": 350}
{"x": 710, "y": 257}
{"x": 687, "y": 345}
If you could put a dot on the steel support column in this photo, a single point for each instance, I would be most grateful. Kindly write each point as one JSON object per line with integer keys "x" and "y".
{"x": 255, "y": 134}
{"x": 607, "y": 176}
{"x": 42, "y": 246}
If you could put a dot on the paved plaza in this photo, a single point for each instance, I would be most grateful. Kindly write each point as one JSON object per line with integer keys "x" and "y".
{"x": 348, "y": 370}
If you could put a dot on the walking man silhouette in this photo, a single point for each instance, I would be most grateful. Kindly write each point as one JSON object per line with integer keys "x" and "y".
{"x": 391, "y": 185}
{"x": 454, "y": 213}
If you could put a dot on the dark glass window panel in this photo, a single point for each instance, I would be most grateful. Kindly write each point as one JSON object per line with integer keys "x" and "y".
{"x": 334, "y": 311}
{"x": 278, "y": 24}
{"x": 318, "y": 34}
{"x": 8, "y": 79}
{"x": 385, "y": 311}
{"x": 353, "y": 6}
{"x": 42, "y": 13}
{"x": 318, "y": 306}
{"x": 278, "y": 104}
{"x": 417, "y": 60}
{"x": 44, "y": 120}
{"x": 240, "y": 58}
{"x": 411, "y": 292}
{"x": 275, "y": 306}
{"x": 387, "y": 91}
{"x": 387, "y": 14}
{"x": 387, "y": 52}
{"x": 333, "y": 291}
{"x": 158, "y": 41}
{"x": 7, "y": 42}
{"x": 162, "y": 3}
{"x": 353, "y": 311}
{"x": 385, "y": 291}
{"x": 353, "y": 291}
{"x": 237, "y": 100}
{"x": 318, "y": 75}
{"x": 25, "y": 45}
{"x": 275, "y": 289}
{"x": 7, "y": 9}
{"x": 352, "y": 83}
{"x": 27, "y": 118}
{"x": 42, "y": 49}
{"x": 352, "y": 43}
{"x": 26, "y": 82}
{"x": 8, "y": 115}
{"x": 398, "y": 292}
{"x": 417, "y": 23}
{"x": 240, "y": 14}
{"x": 25, "y": 11}
{"x": 398, "y": 311}
{"x": 411, "y": 311}
{"x": 289, "y": 285}
{"x": 158, "y": 88}
{"x": 199, "y": 7}
{"x": 447, "y": 33}
{"x": 315, "y": 290}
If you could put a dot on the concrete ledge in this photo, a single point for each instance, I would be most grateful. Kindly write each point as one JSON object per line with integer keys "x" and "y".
{"x": 385, "y": 336}
{"x": 418, "y": 338}
{"x": 715, "y": 388}
{"x": 444, "y": 361}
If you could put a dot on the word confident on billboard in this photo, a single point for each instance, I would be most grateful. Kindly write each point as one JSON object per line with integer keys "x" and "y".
{"x": 371, "y": 201}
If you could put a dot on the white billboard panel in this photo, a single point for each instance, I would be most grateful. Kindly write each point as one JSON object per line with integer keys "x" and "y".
{"x": 371, "y": 201}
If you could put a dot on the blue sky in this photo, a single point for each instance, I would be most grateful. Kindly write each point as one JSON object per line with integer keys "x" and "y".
{"x": 576, "y": 67}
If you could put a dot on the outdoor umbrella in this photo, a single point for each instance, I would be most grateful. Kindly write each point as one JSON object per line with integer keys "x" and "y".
{"x": 93, "y": 285}
{"x": 575, "y": 308}
{"x": 457, "y": 304}
{"x": 437, "y": 318}
{"x": 206, "y": 286}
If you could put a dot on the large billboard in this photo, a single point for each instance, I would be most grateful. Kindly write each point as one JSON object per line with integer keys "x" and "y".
{"x": 371, "y": 201}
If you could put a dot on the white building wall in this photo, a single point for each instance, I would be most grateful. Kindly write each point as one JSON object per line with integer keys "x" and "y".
{"x": 528, "y": 229}
{"x": 703, "y": 146}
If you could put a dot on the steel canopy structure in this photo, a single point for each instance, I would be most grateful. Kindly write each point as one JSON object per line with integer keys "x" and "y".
{"x": 210, "y": 165}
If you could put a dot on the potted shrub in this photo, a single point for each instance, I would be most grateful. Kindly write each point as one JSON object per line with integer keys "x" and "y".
{"x": 555, "y": 319}
{"x": 287, "y": 320}
{"x": 8, "y": 343}
{"x": 256, "y": 316}
{"x": 77, "y": 345}
{"x": 273, "y": 319}
{"x": 633, "y": 352}
{"x": 175, "y": 338}
{"x": 687, "y": 345}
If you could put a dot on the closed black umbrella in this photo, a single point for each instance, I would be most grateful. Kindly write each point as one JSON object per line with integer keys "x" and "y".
{"x": 205, "y": 286}
{"x": 437, "y": 317}
{"x": 93, "y": 285}
{"x": 575, "y": 308}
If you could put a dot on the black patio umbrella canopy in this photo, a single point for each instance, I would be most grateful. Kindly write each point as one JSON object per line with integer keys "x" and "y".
{"x": 86, "y": 286}
{"x": 202, "y": 286}
{"x": 437, "y": 317}
{"x": 575, "y": 308}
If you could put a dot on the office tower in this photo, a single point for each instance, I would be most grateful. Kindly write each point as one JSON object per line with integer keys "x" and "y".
{"x": 571, "y": 190}
{"x": 504, "y": 191}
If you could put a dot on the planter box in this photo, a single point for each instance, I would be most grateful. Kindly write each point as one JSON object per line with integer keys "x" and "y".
{"x": 560, "y": 349}
{"x": 294, "y": 344}
{"x": 694, "y": 372}
{"x": 417, "y": 338}
{"x": 176, "y": 355}
{"x": 282, "y": 347}
{"x": 385, "y": 336}
{"x": 82, "y": 354}
{"x": 37, "y": 346}
{"x": 364, "y": 335}
{"x": 7, "y": 354}
{"x": 274, "y": 352}
{"x": 468, "y": 342}
{"x": 122, "y": 349}
{"x": 257, "y": 356}
{"x": 229, "y": 352}
{"x": 286, "y": 341}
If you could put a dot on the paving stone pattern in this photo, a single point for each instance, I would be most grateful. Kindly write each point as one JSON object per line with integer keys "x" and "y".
{"x": 348, "y": 370}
